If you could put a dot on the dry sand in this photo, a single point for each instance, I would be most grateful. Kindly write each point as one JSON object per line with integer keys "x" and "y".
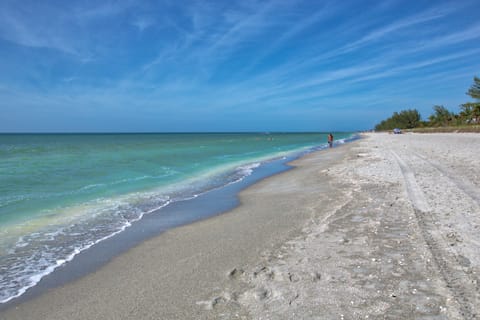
{"x": 387, "y": 227}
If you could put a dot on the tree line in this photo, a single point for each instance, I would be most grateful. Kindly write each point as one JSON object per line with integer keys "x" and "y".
{"x": 408, "y": 119}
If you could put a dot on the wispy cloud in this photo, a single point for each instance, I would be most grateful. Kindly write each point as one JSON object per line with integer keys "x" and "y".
{"x": 62, "y": 28}
{"x": 471, "y": 33}
{"x": 142, "y": 23}
{"x": 231, "y": 58}
{"x": 417, "y": 65}
{"x": 237, "y": 29}
{"x": 396, "y": 26}
{"x": 101, "y": 10}
{"x": 383, "y": 32}
{"x": 298, "y": 28}
{"x": 26, "y": 28}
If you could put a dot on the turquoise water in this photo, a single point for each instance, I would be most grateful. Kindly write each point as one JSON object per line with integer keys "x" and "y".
{"x": 61, "y": 194}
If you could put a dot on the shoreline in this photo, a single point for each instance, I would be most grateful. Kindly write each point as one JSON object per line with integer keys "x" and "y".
{"x": 151, "y": 225}
{"x": 46, "y": 289}
{"x": 176, "y": 214}
{"x": 64, "y": 217}
{"x": 383, "y": 227}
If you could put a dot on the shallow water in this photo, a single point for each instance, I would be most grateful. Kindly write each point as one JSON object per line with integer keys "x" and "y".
{"x": 61, "y": 194}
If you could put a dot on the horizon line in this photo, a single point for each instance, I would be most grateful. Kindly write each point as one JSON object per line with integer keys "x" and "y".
{"x": 167, "y": 132}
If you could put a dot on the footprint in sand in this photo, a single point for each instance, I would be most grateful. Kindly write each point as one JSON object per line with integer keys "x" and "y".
{"x": 236, "y": 273}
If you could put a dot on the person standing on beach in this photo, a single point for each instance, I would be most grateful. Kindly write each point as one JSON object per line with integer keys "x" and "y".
{"x": 330, "y": 140}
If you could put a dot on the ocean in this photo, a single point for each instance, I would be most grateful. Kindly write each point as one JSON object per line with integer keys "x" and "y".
{"x": 60, "y": 194}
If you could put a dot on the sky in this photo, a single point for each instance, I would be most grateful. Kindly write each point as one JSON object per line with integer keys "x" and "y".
{"x": 189, "y": 66}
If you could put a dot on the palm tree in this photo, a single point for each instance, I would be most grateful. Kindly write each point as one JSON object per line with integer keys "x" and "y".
{"x": 441, "y": 117}
{"x": 474, "y": 90}
{"x": 471, "y": 110}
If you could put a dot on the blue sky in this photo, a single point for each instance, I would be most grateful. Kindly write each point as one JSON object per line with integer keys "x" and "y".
{"x": 74, "y": 66}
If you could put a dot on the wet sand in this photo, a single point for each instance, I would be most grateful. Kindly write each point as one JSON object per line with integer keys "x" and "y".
{"x": 385, "y": 227}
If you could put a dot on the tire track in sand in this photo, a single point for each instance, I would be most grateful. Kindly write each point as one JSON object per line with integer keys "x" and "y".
{"x": 463, "y": 286}
{"x": 464, "y": 185}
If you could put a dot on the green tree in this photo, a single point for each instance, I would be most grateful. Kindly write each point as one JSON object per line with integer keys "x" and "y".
{"x": 471, "y": 110}
{"x": 474, "y": 90}
{"x": 406, "y": 119}
{"x": 410, "y": 118}
{"x": 441, "y": 117}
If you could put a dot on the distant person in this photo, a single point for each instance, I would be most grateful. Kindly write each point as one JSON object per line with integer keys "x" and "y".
{"x": 330, "y": 140}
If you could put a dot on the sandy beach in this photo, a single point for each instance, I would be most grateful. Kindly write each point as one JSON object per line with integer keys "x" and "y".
{"x": 386, "y": 227}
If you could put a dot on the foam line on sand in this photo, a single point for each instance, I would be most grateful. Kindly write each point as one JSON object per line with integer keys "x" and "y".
{"x": 387, "y": 226}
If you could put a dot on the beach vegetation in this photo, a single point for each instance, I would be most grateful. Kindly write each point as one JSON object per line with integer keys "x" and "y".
{"x": 441, "y": 117}
{"x": 474, "y": 90}
{"x": 406, "y": 119}
{"x": 470, "y": 112}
